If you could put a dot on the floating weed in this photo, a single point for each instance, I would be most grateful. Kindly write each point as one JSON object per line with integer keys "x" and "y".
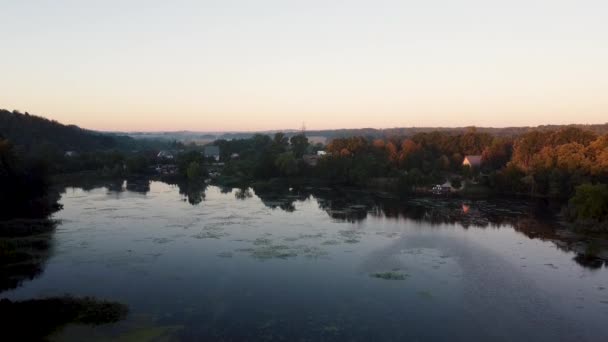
{"x": 262, "y": 241}
{"x": 245, "y": 250}
{"x": 162, "y": 240}
{"x": 225, "y": 254}
{"x": 350, "y": 233}
{"x": 210, "y": 235}
{"x": 330, "y": 242}
{"x": 311, "y": 236}
{"x": 350, "y": 236}
{"x": 392, "y": 275}
{"x": 310, "y": 251}
{"x": 213, "y": 228}
{"x": 290, "y": 239}
{"x": 273, "y": 252}
{"x": 388, "y": 234}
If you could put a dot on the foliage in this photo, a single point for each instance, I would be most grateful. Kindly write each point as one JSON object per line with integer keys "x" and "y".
{"x": 590, "y": 202}
{"x": 299, "y": 145}
{"x": 189, "y": 165}
{"x": 25, "y": 187}
{"x": 287, "y": 164}
{"x": 41, "y": 137}
{"x": 194, "y": 171}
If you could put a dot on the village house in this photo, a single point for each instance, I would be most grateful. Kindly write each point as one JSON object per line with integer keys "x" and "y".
{"x": 164, "y": 155}
{"x": 473, "y": 161}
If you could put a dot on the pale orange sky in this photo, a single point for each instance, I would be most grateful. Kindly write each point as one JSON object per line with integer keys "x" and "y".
{"x": 270, "y": 64}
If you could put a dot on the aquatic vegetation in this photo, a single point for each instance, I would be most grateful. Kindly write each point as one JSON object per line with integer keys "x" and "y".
{"x": 291, "y": 239}
{"x": 350, "y": 236}
{"x": 35, "y": 319}
{"x": 273, "y": 252}
{"x": 310, "y": 251}
{"x": 311, "y": 236}
{"x": 210, "y": 235}
{"x": 262, "y": 241}
{"x": 391, "y": 275}
{"x": 162, "y": 240}
{"x": 330, "y": 242}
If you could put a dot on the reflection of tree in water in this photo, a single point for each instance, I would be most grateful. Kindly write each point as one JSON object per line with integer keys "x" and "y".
{"x": 243, "y": 193}
{"x": 35, "y": 319}
{"x": 193, "y": 191}
{"x": 25, "y": 248}
{"x": 282, "y": 197}
{"x": 139, "y": 185}
{"x": 590, "y": 262}
{"x": 90, "y": 183}
{"x": 532, "y": 219}
{"x": 345, "y": 207}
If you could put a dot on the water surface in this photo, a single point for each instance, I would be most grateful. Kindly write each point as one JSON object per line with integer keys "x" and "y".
{"x": 317, "y": 265}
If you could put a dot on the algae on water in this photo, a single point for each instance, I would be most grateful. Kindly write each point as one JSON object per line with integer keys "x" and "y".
{"x": 392, "y": 275}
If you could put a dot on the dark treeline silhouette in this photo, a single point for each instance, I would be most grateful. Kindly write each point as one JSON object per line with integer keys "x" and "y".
{"x": 25, "y": 189}
{"x": 68, "y": 148}
{"x": 369, "y": 133}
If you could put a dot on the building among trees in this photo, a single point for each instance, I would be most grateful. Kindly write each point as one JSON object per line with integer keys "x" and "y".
{"x": 472, "y": 161}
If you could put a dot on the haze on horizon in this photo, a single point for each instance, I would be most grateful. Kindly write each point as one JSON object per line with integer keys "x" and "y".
{"x": 257, "y": 65}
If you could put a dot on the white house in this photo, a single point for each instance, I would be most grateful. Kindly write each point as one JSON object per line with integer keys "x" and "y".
{"x": 164, "y": 155}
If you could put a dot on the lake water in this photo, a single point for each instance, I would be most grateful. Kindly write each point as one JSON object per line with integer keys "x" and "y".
{"x": 317, "y": 265}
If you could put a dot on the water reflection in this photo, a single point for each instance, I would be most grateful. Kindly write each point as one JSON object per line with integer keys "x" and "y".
{"x": 534, "y": 219}
{"x": 303, "y": 263}
{"x": 25, "y": 247}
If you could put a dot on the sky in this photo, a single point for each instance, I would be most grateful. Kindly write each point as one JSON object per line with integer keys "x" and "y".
{"x": 243, "y": 65}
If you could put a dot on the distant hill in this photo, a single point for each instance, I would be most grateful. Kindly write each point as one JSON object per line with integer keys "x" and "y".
{"x": 366, "y": 132}
{"x": 34, "y": 133}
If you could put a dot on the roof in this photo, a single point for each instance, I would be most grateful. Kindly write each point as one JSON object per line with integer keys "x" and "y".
{"x": 473, "y": 160}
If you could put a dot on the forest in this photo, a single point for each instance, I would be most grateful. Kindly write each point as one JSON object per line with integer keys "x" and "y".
{"x": 567, "y": 164}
